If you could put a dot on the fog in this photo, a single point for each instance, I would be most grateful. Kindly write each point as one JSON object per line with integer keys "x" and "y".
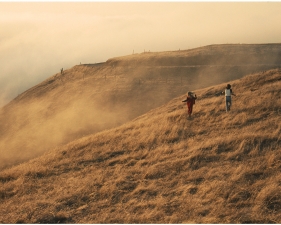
{"x": 91, "y": 98}
{"x": 37, "y": 39}
{"x": 73, "y": 106}
{"x": 31, "y": 132}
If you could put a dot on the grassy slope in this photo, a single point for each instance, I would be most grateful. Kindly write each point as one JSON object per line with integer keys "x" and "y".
{"x": 162, "y": 168}
{"x": 91, "y": 98}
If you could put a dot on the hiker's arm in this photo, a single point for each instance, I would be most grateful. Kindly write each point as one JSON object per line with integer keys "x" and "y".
{"x": 184, "y": 100}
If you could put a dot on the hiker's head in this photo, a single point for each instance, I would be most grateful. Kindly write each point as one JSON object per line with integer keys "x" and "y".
{"x": 228, "y": 86}
{"x": 189, "y": 93}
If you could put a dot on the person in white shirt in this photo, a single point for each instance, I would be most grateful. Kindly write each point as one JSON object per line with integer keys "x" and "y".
{"x": 228, "y": 92}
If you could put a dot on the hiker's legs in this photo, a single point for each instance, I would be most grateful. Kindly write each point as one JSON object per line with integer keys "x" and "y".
{"x": 190, "y": 106}
{"x": 227, "y": 103}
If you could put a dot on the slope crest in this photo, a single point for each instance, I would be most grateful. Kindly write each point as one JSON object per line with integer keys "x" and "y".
{"x": 89, "y": 98}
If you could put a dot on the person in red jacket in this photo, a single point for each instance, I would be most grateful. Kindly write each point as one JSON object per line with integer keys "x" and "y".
{"x": 190, "y": 101}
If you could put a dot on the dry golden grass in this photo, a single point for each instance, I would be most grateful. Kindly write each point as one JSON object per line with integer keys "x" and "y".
{"x": 161, "y": 167}
{"x": 90, "y": 98}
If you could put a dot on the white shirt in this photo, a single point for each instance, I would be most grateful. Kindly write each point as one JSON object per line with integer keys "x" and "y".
{"x": 227, "y": 92}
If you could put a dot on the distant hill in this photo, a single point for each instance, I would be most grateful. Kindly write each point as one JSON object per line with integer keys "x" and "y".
{"x": 90, "y": 98}
{"x": 161, "y": 167}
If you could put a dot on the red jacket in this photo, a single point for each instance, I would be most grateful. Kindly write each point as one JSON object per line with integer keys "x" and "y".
{"x": 189, "y": 100}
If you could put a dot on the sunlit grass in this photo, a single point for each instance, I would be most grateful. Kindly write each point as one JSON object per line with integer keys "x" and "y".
{"x": 162, "y": 167}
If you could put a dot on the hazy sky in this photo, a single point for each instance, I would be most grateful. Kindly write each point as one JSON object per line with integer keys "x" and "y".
{"x": 37, "y": 39}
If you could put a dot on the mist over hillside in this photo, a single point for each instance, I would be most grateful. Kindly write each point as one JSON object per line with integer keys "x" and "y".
{"x": 161, "y": 167}
{"x": 93, "y": 97}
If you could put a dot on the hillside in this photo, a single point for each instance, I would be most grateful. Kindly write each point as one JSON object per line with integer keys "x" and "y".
{"x": 161, "y": 167}
{"x": 93, "y": 97}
